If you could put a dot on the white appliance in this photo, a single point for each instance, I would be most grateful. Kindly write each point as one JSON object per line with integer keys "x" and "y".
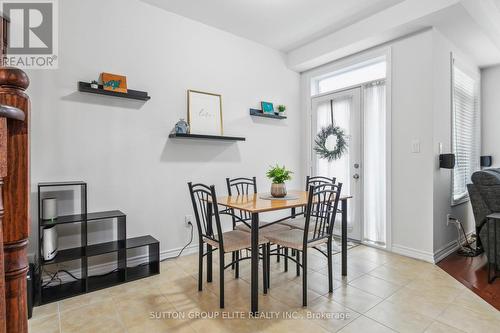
{"x": 49, "y": 209}
{"x": 49, "y": 243}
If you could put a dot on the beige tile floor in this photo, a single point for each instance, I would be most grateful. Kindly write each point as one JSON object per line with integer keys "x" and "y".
{"x": 382, "y": 293}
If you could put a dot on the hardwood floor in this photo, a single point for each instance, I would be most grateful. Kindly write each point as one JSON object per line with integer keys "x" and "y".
{"x": 472, "y": 273}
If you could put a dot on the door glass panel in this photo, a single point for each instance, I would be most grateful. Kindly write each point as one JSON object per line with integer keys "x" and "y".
{"x": 344, "y": 110}
{"x": 338, "y": 168}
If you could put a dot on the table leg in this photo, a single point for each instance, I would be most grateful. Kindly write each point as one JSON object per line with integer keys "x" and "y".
{"x": 255, "y": 264}
{"x": 344, "y": 236}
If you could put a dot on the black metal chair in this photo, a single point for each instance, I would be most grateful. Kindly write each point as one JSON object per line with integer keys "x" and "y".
{"x": 310, "y": 181}
{"x": 205, "y": 208}
{"x": 320, "y": 213}
{"x": 319, "y": 180}
{"x": 299, "y": 223}
{"x": 246, "y": 186}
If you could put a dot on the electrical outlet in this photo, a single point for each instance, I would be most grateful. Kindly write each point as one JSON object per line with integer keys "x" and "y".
{"x": 188, "y": 220}
{"x": 448, "y": 219}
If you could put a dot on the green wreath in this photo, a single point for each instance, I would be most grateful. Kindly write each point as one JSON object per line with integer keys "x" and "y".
{"x": 322, "y": 150}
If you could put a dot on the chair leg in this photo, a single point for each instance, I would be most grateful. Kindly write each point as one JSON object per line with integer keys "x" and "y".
{"x": 265, "y": 272}
{"x": 278, "y": 250}
{"x": 200, "y": 267}
{"x": 330, "y": 266}
{"x": 233, "y": 259}
{"x": 297, "y": 257}
{"x": 286, "y": 259}
{"x": 304, "y": 277}
{"x": 221, "y": 278}
{"x": 209, "y": 263}
{"x": 268, "y": 267}
{"x": 237, "y": 264}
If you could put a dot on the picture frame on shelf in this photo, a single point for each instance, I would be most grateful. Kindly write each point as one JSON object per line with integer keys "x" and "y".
{"x": 114, "y": 82}
{"x": 204, "y": 113}
{"x": 267, "y": 107}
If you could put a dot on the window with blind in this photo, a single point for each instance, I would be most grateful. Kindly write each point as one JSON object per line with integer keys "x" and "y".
{"x": 465, "y": 132}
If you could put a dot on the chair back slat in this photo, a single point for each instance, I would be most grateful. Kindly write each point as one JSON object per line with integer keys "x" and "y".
{"x": 321, "y": 211}
{"x": 241, "y": 187}
{"x": 204, "y": 200}
{"x": 318, "y": 180}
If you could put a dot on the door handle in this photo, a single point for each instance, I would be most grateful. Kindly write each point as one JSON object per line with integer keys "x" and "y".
{"x": 355, "y": 176}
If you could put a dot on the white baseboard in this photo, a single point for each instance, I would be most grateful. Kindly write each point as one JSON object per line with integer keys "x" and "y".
{"x": 413, "y": 253}
{"x": 433, "y": 258}
{"x": 448, "y": 249}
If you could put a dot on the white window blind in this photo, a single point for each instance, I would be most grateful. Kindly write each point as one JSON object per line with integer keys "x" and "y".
{"x": 465, "y": 132}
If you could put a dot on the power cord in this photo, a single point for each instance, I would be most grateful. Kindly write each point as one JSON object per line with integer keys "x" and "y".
{"x": 180, "y": 252}
{"x": 55, "y": 275}
{"x": 466, "y": 249}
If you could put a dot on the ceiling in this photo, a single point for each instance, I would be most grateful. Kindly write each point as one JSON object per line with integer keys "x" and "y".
{"x": 279, "y": 24}
{"x": 315, "y": 28}
{"x": 462, "y": 30}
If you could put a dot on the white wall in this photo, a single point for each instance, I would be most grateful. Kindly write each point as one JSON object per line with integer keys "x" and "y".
{"x": 412, "y": 121}
{"x": 491, "y": 113}
{"x": 121, "y": 147}
{"x": 420, "y": 111}
{"x": 445, "y": 235}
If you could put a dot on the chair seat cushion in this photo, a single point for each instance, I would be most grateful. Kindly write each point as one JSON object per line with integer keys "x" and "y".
{"x": 296, "y": 223}
{"x": 293, "y": 238}
{"x": 234, "y": 240}
{"x": 264, "y": 229}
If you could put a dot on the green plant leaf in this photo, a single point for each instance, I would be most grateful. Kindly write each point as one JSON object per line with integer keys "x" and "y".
{"x": 278, "y": 174}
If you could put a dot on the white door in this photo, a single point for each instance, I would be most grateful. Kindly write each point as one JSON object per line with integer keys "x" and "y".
{"x": 344, "y": 109}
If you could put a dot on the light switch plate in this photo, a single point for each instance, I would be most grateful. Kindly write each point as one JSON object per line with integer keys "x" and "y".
{"x": 415, "y": 146}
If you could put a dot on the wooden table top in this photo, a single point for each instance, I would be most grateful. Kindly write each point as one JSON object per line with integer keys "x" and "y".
{"x": 252, "y": 203}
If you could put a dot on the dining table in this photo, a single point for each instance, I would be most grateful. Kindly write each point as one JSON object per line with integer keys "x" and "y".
{"x": 258, "y": 203}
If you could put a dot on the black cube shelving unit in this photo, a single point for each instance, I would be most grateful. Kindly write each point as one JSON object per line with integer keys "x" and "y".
{"x": 118, "y": 246}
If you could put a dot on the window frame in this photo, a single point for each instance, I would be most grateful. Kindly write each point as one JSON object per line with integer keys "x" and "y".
{"x": 475, "y": 75}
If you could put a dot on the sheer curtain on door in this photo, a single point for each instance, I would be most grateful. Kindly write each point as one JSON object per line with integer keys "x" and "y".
{"x": 374, "y": 168}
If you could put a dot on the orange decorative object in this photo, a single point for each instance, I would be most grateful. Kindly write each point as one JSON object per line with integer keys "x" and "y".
{"x": 113, "y": 82}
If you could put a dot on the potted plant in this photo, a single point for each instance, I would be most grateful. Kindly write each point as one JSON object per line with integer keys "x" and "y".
{"x": 94, "y": 84}
{"x": 281, "y": 109}
{"x": 278, "y": 175}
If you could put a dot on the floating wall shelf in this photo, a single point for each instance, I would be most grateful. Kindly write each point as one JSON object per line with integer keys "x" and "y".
{"x": 259, "y": 113}
{"x": 205, "y": 137}
{"x": 131, "y": 94}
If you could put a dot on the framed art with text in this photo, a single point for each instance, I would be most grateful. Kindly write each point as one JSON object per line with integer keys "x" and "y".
{"x": 204, "y": 113}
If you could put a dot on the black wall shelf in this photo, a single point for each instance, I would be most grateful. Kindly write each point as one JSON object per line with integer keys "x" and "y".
{"x": 259, "y": 113}
{"x": 131, "y": 94}
{"x": 205, "y": 137}
{"x": 84, "y": 251}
